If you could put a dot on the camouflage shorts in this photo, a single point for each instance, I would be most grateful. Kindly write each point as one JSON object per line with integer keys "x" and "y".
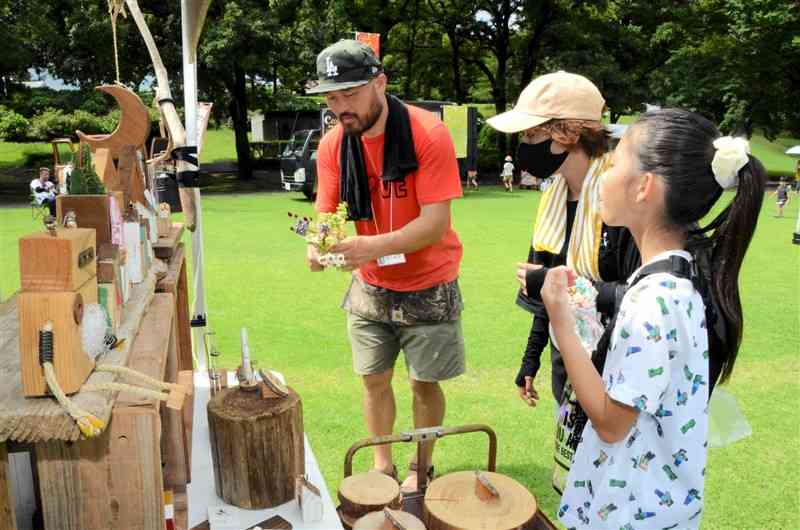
{"x": 440, "y": 303}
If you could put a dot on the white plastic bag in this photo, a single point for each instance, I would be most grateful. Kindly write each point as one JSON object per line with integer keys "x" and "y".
{"x": 726, "y": 423}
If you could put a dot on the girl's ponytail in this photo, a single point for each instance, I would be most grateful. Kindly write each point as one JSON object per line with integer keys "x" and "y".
{"x": 731, "y": 239}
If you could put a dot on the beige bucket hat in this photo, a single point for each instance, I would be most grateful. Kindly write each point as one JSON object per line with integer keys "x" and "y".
{"x": 560, "y": 95}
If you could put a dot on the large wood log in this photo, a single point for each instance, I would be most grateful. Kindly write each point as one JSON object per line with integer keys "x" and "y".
{"x": 256, "y": 446}
{"x": 469, "y": 501}
{"x": 364, "y": 493}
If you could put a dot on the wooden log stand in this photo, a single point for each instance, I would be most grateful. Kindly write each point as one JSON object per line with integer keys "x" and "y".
{"x": 367, "y": 492}
{"x": 256, "y": 446}
{"x": 469, "y": 500}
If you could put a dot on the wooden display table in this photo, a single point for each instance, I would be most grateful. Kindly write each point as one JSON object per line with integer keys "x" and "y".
{"x": 173, "y": 252}
{"x": 116, "y": 480}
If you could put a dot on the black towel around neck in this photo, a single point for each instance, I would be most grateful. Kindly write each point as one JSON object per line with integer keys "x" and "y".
{"x": 399, "y": 159}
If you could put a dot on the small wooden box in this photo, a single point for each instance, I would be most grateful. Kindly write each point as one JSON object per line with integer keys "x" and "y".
{"x": 92, "y": 211}
{"x": 61, "y": 263}
{"x": 63, "y": 309}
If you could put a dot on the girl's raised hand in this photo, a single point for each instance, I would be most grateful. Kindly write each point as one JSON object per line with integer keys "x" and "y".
{"x": 556, "y": 297}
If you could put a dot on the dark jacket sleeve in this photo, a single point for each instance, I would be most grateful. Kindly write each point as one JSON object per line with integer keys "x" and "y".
{"x": 538, "y": 338}
{"x": 539, "y": 334}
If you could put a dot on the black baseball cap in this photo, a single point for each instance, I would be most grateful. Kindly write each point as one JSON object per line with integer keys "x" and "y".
{"x": 346, "y": 64}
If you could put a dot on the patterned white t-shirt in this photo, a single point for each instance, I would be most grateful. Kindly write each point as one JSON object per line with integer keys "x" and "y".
{"x": 658, "y": 363}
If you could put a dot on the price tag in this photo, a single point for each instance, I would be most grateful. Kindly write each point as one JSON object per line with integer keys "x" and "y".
{"x": 391, "y": 259}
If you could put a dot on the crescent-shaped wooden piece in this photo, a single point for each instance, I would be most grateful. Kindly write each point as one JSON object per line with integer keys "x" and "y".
{"x": 133, "y": 127}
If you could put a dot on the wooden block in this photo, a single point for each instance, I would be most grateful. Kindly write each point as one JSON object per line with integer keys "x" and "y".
{"x": 166, "y": 246}
{"x": 106, "y": 483}
{"x": 186, "y": 378}
{"x": 64, "y": 309}
{"x": 61, "y": 263}
{"x": 149, "y": 351}
{"x": 134, "y": 264}
{"x": 92, "y": 211}
{"x": 103, "y": 162}
{"x": 108, "y": 251}
{"x": 130, "y": 177}
{"x": 8, "y": 519}
{"x": 109, "y": 296}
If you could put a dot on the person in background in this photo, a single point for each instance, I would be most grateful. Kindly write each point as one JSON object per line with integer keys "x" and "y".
{"x": 507, "y": 174}
{"x": 472, "y": 178}
{"x": 782, "y": 196}
{"x": 44, "y": 191}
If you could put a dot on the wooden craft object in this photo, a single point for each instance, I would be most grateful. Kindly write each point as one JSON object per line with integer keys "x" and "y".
{"x": 469, "y": 501}
{"x": 106, "y": 169}
{"x": 110, "y": 297}
{"x": 366, "y": 492}
{"x": 134, "y": 122}
{"x": 272, "y": 387}
{"x": 270, "y": 432}
{"x": 129, "y": 175}
{"x": 92, "y": 211}
{"x": 309, "y": 499}
{"x": 61, "y": 263}
{"x": 65, "y": 310}
{"x": 389, "y": 519}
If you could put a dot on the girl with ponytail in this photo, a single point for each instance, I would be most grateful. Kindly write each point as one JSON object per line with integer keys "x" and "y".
{"x": 641, "y": 461}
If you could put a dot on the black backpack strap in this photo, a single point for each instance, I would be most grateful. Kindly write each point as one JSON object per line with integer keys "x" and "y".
{"x": 675, "y": 265}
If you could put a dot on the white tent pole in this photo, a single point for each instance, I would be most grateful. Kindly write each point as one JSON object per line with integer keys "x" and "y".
{"x": 199, "y": 317}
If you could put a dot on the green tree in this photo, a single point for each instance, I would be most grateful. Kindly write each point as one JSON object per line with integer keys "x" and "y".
{"x": 736, "y": 61}
{"x": 241, "y": 39}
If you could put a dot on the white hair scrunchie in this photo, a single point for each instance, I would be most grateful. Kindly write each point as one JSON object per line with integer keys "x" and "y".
{"x": 731, "y": 156}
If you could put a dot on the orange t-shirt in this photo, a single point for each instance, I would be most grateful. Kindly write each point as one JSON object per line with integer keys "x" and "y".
{"x": 395, "y": 204}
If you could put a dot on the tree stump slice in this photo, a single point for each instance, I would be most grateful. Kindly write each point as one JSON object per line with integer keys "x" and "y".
{"x": 452, "y": 503}
{"x": 256, "y": 446}
{"x": 378, "y": 521}
{"x": 367, "y": 492}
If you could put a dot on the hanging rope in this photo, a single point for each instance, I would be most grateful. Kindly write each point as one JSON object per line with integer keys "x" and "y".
{"x": 87, "y": 422}
{"x": 122, "y": 387}
{"x": 115, "y": 7}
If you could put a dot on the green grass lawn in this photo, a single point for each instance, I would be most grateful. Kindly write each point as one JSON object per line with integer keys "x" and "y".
{"x": 256, "y": 277}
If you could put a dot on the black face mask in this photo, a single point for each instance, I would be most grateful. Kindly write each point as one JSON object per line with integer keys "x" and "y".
{"x": 537, "y": 159}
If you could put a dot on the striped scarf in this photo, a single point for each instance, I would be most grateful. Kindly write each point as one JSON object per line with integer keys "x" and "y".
{"x": 551, "y": 221}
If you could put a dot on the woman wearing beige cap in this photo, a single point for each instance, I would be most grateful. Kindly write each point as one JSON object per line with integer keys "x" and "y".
{"x": 559, "y": 116}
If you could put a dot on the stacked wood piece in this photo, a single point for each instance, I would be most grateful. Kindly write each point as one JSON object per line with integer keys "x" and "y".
{"x": 364, "y": 493}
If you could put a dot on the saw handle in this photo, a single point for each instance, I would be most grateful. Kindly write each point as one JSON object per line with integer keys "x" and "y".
{"x": 424, "y": 435}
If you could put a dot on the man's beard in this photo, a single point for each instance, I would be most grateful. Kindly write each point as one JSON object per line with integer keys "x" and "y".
{"x": 365, "y": 123}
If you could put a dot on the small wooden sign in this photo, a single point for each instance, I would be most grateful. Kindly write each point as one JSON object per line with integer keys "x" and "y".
{"x": 309, "y": 499}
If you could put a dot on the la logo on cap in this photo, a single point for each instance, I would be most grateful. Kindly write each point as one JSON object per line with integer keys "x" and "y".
{"x": 331, "y": 69}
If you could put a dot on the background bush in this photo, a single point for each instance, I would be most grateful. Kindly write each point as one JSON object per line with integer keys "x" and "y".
{"x": 14, "y": 127}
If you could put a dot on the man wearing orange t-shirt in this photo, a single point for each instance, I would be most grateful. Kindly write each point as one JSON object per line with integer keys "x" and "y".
{"x": 395, "y": 167}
